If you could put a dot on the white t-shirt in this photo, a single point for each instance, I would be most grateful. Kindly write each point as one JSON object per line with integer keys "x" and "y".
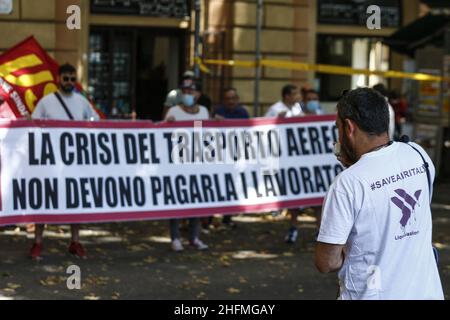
{"x": 49, "y": 107}
{"x": 391, "y": 121}
{"x": 380, "y": 209}
{"x": 179, "y": 114}
{"x": 279, "y": 107}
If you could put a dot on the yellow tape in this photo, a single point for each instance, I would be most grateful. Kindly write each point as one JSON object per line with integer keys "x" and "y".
{"x": 320, "y": 68}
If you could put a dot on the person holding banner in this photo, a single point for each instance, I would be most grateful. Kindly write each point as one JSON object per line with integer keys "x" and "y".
{"x": 288, "y": 107}
{"x": 188, "y": 109}
{"x": 376, "y": 226}
{"x": 312, "y": 103}
{"x": 65, "y": 104}
{"x": 229, "y": 109}
{"x": 174, "y": 97}
{"x": 311, "y": 106}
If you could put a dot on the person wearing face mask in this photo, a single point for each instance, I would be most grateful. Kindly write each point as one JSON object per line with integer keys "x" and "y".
{"x": 188, "y": 109}
{"x": 64, "y": 104}
{"x": 312, "y": 104}
{"x": 174, "y": 97}
{"x": 288, "y": 107}
{"x": 376, "y": 224}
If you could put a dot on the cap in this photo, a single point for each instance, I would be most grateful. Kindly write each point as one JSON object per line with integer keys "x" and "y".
{"x": 189, "y": 74}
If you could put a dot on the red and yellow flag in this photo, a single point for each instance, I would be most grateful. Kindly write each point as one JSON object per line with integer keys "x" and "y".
{"x": 27, "y": 73}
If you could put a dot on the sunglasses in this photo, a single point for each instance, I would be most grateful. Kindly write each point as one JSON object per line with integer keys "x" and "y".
{"x": 72, "y": 79}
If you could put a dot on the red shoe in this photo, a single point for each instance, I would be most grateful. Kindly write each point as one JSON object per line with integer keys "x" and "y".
{"x": 76, "y": 249}
{"x": 35, "y": 251}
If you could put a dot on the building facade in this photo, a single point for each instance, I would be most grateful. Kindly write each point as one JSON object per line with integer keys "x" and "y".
{"x": 129, "y": 54}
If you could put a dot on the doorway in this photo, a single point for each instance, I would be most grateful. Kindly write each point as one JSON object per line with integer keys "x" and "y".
{"x": 133, "y": 69}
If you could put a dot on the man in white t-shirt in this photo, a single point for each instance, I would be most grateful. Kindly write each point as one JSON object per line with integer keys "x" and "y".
{"x": 288, "y": 107}
{"x": 312, "y": 103}
{"x": 188, "y": 109}
{"x": 65, "y": 104}
{"x": 376, "y": 226}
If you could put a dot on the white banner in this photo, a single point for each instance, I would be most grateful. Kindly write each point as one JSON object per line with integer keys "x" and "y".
{"x": 68, "y": 171}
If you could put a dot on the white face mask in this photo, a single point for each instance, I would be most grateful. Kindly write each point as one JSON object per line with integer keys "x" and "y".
{"x": 337, "y": 149}
{"x": 188, "y": 100}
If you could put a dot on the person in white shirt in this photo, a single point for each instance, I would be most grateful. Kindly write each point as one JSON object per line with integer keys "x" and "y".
{"x": 376, "y": 226}
{"x": 78, "y": 107}
{"x": 188, "y": 109}
{"x": 65, "y": 104}
{"x": 288, "y": 106}
{"x": 312, "y": 103}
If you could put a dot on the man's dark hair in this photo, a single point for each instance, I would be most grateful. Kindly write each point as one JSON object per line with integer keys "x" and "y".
{"x": 367, "y": 108}
{"x": 311, "y": 91}
{"x": 67, "y": 68}
{"x": 231, "y": 89}
{"x": 381, "y": 89}
{"x": 287, "y": 90}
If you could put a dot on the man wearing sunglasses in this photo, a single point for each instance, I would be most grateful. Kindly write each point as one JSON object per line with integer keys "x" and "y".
{"x": 376, "y": 226}
{"x": 65, "y": 104}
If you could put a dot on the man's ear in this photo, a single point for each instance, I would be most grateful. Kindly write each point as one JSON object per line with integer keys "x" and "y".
{"x": 350, "y": 127}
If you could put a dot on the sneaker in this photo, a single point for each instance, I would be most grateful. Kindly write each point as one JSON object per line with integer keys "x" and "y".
{"x": 177, "y": 246}
{"x": 198, "y": 244}
{"x": 292, "y": 235}
{"x": 76, "y": 249}
{"x": 35, "y": 251}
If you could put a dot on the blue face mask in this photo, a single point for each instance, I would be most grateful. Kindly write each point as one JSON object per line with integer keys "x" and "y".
{"x": 188, "y": 100}
{"x": 313, "y": 106}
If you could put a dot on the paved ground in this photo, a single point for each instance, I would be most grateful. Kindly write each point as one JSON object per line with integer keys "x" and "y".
{"x": 133, "y": 261}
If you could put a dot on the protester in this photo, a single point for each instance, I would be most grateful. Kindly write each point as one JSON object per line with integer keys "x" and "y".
{"x": 189, "y": 109}
{"x": 65, "y": 104}
{"x": 174, "y": 97}
{"x": 384, "y": 92}
{"x": 312, "y": 103}
{"x": 376, "y": 227}
{"x": 229, "y": 109}
{"x": 286, "y": 108}
{"x": 311, "y": 107}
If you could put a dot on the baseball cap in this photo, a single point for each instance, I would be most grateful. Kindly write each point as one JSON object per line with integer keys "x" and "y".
{"x": 189, "y": 74}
